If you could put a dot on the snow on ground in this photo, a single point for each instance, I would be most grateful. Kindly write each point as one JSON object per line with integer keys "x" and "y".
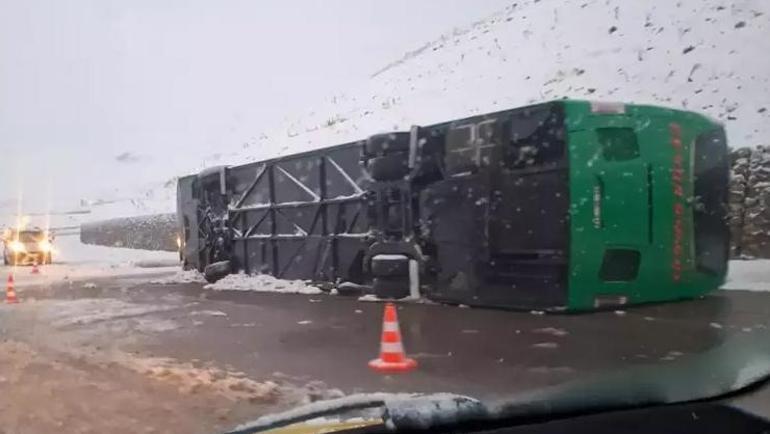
{"x": 181, "y": 276}
{"x": 262, "y": 283}
{"x": 751, "y": 275}
{"x": 48, "y": 393}
{"x": 54, "y": 273}
{"x": 84, "y": 311}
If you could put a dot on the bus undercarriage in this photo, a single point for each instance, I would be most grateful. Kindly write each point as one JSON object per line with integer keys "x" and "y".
{"x": 478, "y": 211}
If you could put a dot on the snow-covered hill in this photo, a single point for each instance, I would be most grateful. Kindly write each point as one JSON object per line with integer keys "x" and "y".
{"x": 703, "y": 55}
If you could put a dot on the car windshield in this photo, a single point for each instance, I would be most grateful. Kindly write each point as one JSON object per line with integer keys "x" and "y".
{"x": 216, "y": 211}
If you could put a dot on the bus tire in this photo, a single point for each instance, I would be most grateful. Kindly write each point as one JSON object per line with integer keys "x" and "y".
{"x": 387, "y": 143}
{"x": 389, "y": 167}
{"x": 390, "y": 267}
{"x": 350, "y": 289}
{"x": 216, "y": 271}
{"x": 391, "y": 288}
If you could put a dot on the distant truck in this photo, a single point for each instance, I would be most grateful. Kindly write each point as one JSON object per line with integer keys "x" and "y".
{"x": 565, "y": 205}
{"x": 27, "y": 247}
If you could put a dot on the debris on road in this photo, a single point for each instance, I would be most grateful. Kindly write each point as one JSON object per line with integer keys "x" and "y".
{"x": 546, "y": 345}
{"x": 262, "y": 283}
{"x": 208, "y": 312}
{"x": 553, "y": 331}
{"x": 190, "y": 379}
{"x": 551, "y": 370}
{"x": 181, "y": 276}
{"x": 369, "y": 297}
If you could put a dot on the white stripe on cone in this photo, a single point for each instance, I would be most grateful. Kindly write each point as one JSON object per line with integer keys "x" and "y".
{"x": 390, "y": 326}
{"x": 392, "y": 347}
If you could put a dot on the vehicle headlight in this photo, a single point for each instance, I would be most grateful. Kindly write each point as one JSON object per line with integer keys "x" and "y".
{"x": 45, "y": 246}
{"x": 17, "y": 246}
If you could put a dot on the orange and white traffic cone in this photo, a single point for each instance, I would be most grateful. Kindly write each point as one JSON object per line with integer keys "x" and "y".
{"x": 392, "y": 358}
{"x": 35, "y": 270}
{"x": 10, "y": 293}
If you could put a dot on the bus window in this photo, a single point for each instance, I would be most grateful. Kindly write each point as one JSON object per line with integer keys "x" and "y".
{"x": 459, "y": 150}
{"x": 620, "y": 265}
{"x": 472, "y": 145}
{"x": 618, "y": 144}
{"x": 536, "y": 139}
{"x": 712, "y": 237}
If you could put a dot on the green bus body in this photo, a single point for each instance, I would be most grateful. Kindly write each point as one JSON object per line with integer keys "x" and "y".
{"x": 564, "y": 205}
{"x": 632, "y": 189}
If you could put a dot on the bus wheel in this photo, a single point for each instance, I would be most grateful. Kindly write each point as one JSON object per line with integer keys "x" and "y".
{"x": 387, "y": 143}
{"x": 390, "y": 266}
{"x": 388, "y": 168}
{"x": 216, "y": 271}
{"x": 350, "y": 289}
{"x": 391, "y": 288}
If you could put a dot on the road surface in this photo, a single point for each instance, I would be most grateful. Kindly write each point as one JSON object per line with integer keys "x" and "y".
{"x": 123, "y": 354}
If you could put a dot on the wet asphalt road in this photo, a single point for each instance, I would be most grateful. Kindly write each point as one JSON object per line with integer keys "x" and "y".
{"x": 480, "y": 352}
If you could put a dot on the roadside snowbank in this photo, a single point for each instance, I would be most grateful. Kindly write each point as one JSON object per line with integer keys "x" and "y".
{"x": 750, "y": 275}
{"x": 262, "y": 283}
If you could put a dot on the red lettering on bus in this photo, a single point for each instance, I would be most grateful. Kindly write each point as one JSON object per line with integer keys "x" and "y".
{"x": 677, "y": 189}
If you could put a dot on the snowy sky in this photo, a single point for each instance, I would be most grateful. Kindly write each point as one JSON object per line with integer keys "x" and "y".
{"x": 108, "y": 100}
{"x": 84, "y": 83}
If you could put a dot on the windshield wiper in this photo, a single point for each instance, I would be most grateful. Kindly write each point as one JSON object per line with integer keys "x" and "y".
{"x": 399, "y": 411}
{"x": 736, "y": 364}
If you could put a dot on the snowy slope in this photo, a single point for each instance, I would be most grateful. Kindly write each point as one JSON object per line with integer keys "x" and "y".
{"x": 704, "y": 55}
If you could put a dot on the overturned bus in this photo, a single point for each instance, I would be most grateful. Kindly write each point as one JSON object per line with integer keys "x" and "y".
{"x": 562, "y": 205}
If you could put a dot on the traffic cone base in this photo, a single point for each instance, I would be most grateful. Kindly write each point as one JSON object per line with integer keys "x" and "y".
{"x": 35, "y": 270}
{"x": 392, "y": 358}
{"x": 384, "y": 367}
{"x": 10, "y": 293}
